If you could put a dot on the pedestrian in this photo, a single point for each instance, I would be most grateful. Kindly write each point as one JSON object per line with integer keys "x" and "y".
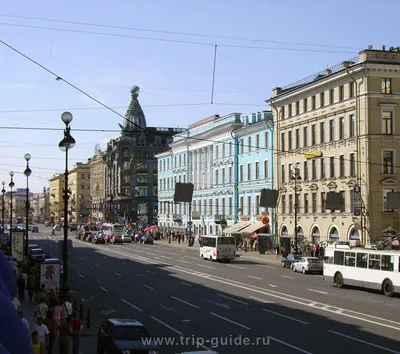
{"x": 77, "y": 327}
{"x": 31, "y": 285}
{"x": 37, "y": 346}
{"x": 67, "y": 309}
{"x": 42, "y": 310}
{"x": 52, "y": 327}
{"x": 42, "y": 331}
{"x": 63, "y": 337}
{"x": 277, "y": 251}
{"x": 21, "y": 287}
{"x": 24, "y": 320}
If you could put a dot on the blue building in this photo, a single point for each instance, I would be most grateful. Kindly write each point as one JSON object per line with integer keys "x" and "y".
{"x": 229, "y": 160}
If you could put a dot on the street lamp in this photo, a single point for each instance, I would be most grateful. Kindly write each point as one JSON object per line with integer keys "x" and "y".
{"x": 27, "y": 173}
{"x": 11, "y": 185}
{"x": 295, "y": 176}
{"x": 66, "y": 144}
{"x": 3, "y": 193}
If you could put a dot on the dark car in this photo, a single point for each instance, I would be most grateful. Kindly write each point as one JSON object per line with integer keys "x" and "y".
{"x": 99, "y": 238}
{"x": 34, "y": 228}
{"x": 37, "y": 254}
{"x": 289, "y": 260}
{"x": 119, "y": 336}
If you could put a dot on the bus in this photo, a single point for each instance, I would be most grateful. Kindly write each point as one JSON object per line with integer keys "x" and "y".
{"x": 116, "y": 230}
{"x": 215, "y": 248}
{"x": 365, "y": 268}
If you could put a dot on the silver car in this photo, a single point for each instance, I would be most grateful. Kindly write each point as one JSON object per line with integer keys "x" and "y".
{"x": 308, "y": 265}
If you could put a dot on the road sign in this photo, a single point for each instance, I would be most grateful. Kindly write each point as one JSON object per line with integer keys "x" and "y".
{"x": 357, "y": 200}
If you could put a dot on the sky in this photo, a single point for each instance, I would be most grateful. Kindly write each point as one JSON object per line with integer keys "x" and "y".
{"x": 166, "y": 47}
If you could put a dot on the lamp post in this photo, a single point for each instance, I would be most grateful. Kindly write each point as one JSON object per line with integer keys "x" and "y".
{"x": 11, "y": 185}
{"x": 3, "y": 193}
{"x": 295, "y": 177}
{"x": 27, "y": 173}
{"x": 66, "y": 144}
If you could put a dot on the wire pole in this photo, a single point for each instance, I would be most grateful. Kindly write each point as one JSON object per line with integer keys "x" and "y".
{"x": 213, "y": 77}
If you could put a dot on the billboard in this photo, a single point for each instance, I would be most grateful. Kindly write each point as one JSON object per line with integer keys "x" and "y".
{"x": 17, "y": 246}
{"x": 50, "y": 275}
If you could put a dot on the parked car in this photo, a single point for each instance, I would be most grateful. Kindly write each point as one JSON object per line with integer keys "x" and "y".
{"x": 116, "y": 239}
{"x": 34, "y": 228}
{"x": 124, "y": 336}
{"x": 126, "y": 238}
{"x": 37, "y": 254}
{"x": 308, "y": 265}
{"x": 288, "y": 261}
{"x": 99, "y": 238}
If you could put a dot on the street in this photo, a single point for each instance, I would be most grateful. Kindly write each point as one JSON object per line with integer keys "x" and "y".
{"x": 239, "y": 307}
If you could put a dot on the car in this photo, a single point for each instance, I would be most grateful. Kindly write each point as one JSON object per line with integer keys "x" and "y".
{"x": 288, "y": 261}
{"x": 99, "y": 238}
{"x": 124, "y": 336}
{"x": 34, "y": 228}
{"x": 37, "y": 254}
{"x": 308, "y": 265}
{"x": 126, "y": 238}
{"x": 116, "y": 239}
{"x": 33, "y": 245}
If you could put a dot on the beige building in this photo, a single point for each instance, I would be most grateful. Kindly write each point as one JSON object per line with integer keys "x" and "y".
{"x": 338, "y": 130}
{"x": 97, "y": 186}
{"x": 79, "y": 186}
{"x": 56, "y": 202}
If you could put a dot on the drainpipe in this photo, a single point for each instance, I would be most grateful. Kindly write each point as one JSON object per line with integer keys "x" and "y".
{"x": 270, "y": 127}
{"x": 235, "y": 178}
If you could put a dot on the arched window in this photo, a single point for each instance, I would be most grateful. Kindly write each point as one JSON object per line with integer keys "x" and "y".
{"x": 125, "y": 153}
{"x": 354, "y": 234}
{"x": 300, "y": 232}
{"x": 315, "y": 235}
{"x": 334, "y": 234}
{"x": 284, "y": 231}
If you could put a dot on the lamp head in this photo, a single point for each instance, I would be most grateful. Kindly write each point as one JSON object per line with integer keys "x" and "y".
{"x": 3, "y": 183}
{"x": 11, "y": 174}
{"x": 66, "y": 117}
{"x": 27, "y": 172}
{"x": 27, "y": 156}
{"x": 67, "y": 143}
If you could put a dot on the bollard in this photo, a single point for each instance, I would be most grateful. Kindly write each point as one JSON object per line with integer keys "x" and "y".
{"x": 74, "y": 308}
{"x": 88, "y": 319}
{"x": 81, "y": 314}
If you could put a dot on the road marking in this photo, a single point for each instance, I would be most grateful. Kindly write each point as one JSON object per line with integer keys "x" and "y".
{"x": 96, "y": 265}
{"x": 81, "y": 275}
{"x": 159, "y": 251}
{"x": 253, "y": 277}
{"x": 364, "y": 342}
{"x": 132, "y": 305}
{"x": 81, "y": 258}
{"x": 148, "y": 287}
{"x": 204, "y": 266}
{"x": 187, "y": 284}
{"x": 262, "y": 300}
{"x": 190, "y": 257}
{"x": 166, "y": 325}
{"x": 236, "y": 266}
{"x": 181, "y": 260}
{"x": 173, "y": 254}
{"x": 149, "y": 271}
{"x": 230, "y": 298}
{"x": 273, "y": 286}
{"x": 165, "y": 257}
{"x": 267, "y": 266}
{"x": 103, "y": 289}
{"x": 185, "y": 302}
{"x": 286, "y": 276}
{"x": 120, "y": 275}
{"x": 318, "y": 291}
{"x": 150, "y": 254}
{"x": 231, "y": 321}
{"x": 288, "y": 317}
{"x": 290, "y": 345}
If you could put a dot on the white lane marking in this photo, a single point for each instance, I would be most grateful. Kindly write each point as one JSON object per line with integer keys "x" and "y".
{"x": 165, "y": 257}
{"x": 318, "y": 291}
{"x": 290, "y": 345}
{"x": 231, "y": 321}
{"x": 81, "y": 275}
{"x": 150, "y": 254}
{"x": 104, "y": 289}
{"x": 96, "y": 265}
{"x": 173, "y": 254}
{"x": 270, "y": 267}
{"x": 288, "y": 317}
{"x": 187, "y": 284}
{"x": 286, "y": 276}
{"x": 236, "y": 266}
{"x": 81, "y": 258}
{"x": 262, "y": 300}
{"x": 253, "y": 277}
{"x": 159, "y": 251}
{"x": 230, "y": 298}
{"x": 191, "y": 257}
{"x": 273, "y": 286}
{"x": 120, "y": 275}
{"x": 181, "y": 260}
{"x": 132, "y": 305}
{"x": 149, "y": 271}
{"x": 204, "y": 266}
{"x": 364, "y": 342}
{"x": 184, "y": 302}
{"x": 148, "y": 287}
{"x": 166, "y": 325}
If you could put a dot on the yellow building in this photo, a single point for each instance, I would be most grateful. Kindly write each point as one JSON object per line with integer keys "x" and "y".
{"x": 336, "y": 132}
{"x": 56, "y": 202}
{"x": 97, "y": 186}
{"x": 79, "y": 186}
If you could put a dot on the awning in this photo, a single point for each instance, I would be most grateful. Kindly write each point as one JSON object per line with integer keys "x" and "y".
{"x": 236, "y": 227}
{"x": 253, "y": 227}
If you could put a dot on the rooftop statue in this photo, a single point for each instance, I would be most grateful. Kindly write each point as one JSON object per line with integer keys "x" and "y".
{"x": 134, "y": 115}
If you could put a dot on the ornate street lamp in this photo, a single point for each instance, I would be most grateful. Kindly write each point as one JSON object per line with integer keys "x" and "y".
{"x": 3, "y": 193}
{"x": 66, "y": 144}
{"x": 11, "y": 185}
{"x": 27, "y": 173}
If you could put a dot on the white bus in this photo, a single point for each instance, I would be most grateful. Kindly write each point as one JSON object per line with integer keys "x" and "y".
{"x": 366, "y": 268}
{"x": 116, "y": 230}
{"x": 215, "y": 248}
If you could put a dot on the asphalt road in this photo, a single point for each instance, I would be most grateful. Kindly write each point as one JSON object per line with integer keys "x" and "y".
{"x": 240, "y": 307}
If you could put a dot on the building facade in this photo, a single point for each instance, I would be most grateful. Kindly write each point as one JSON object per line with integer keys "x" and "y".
{"x": 97, "y": 186}
{"x": 336, "y": 132}
{"x": 228, "y": 159}
{"x": 79, "y": 186}
{"x": 56, "y": 201}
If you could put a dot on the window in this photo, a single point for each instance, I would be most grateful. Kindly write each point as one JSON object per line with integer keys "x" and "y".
{"x": 341, "y": 166}
{"x": 322, "y": 132}
{"x": 343, "y": 201}
{"x": 283, "y": 141}
{"x": 352, "y": 164}
{"x": 283, "y": 179}
{"x": 323, "y": 200}
{"x": 332, "y": 130}
{"x": 241, "y": 204}
{"x": 386, "y": 86}
{"x": 257, "y": 170}
{"x": 332, "y": 166}
{"x": 249, "y": 143}
{"x": 249, "y": 172}
{"x": 290, "y": 169}
{"x": 283, "y": 112}
{"x": 387, "y": 122}
{"x": 266, "y": 169}
{"x": 305, "y": 170}
{"x": 362, "y": 260}
{"x": 230, "y": 149}
{"x": 341, "y": 128}
{"x": 297, "y": 138}
{"x": 230, "y": 174}
{"x": 314, "y": 202}
{"x": 297, "y": 107}
{"x": 143, "y": 192}
{"x": 323, "y": 175}
{"x": 223, "y": 176}
{"x": 350, "y": 259}
{"x": 338, "y": 258}
{"x": 306, "y": 203}
{"x": 241, "y": 173}
{"x": 257, "y": 141}
{"x": 266, "y": 139}
{"x": 305, "y": 136}
{"x": 290, "y": 140}
{"x": 216, "y": 177}
{"x": 313, "y": 102}
{"x": 291, "y": 210}
{"x": 352, "y": 125}
{"x": 331, "y": 96}
{"x": 313, "y": 135}
{"x": 387, "y": 189}
{"x": 305, "y": 103}
{"x": 351, "y": 89}
{"x": 387, "y": 263}
{"x": 283, "y": 203}
{"x": 290, "y": 110}
{"x": 374, "y": 261}
{"x": 341, "y": 93}
{"x": 388, "y": 162}
{"x": 241, "y": 146}
{"x": 322, "y": 99}
{"x": 314, "y": 169}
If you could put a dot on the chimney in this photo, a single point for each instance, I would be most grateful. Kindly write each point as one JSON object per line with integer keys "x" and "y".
{"x": 276, "y": 91}
{"x": 328, "y": 72}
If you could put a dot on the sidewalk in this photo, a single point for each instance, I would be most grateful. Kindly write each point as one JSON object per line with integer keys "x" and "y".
{"x": 254, "y": 256}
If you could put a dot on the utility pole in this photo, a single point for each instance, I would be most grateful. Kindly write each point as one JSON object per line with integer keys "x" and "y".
{"x": 295, "y": 176}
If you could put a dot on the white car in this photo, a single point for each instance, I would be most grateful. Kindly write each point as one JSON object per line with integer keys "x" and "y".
{"x": 126, "y": 238}
{"x": 308, "y": 265}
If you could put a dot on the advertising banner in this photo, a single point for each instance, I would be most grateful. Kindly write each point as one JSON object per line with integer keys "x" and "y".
{"x": 17, "y": 246}
{"x": 50, "y": 276}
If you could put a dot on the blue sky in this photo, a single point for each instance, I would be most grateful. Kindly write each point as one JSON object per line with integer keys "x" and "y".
{"x": 298, "y": 37}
